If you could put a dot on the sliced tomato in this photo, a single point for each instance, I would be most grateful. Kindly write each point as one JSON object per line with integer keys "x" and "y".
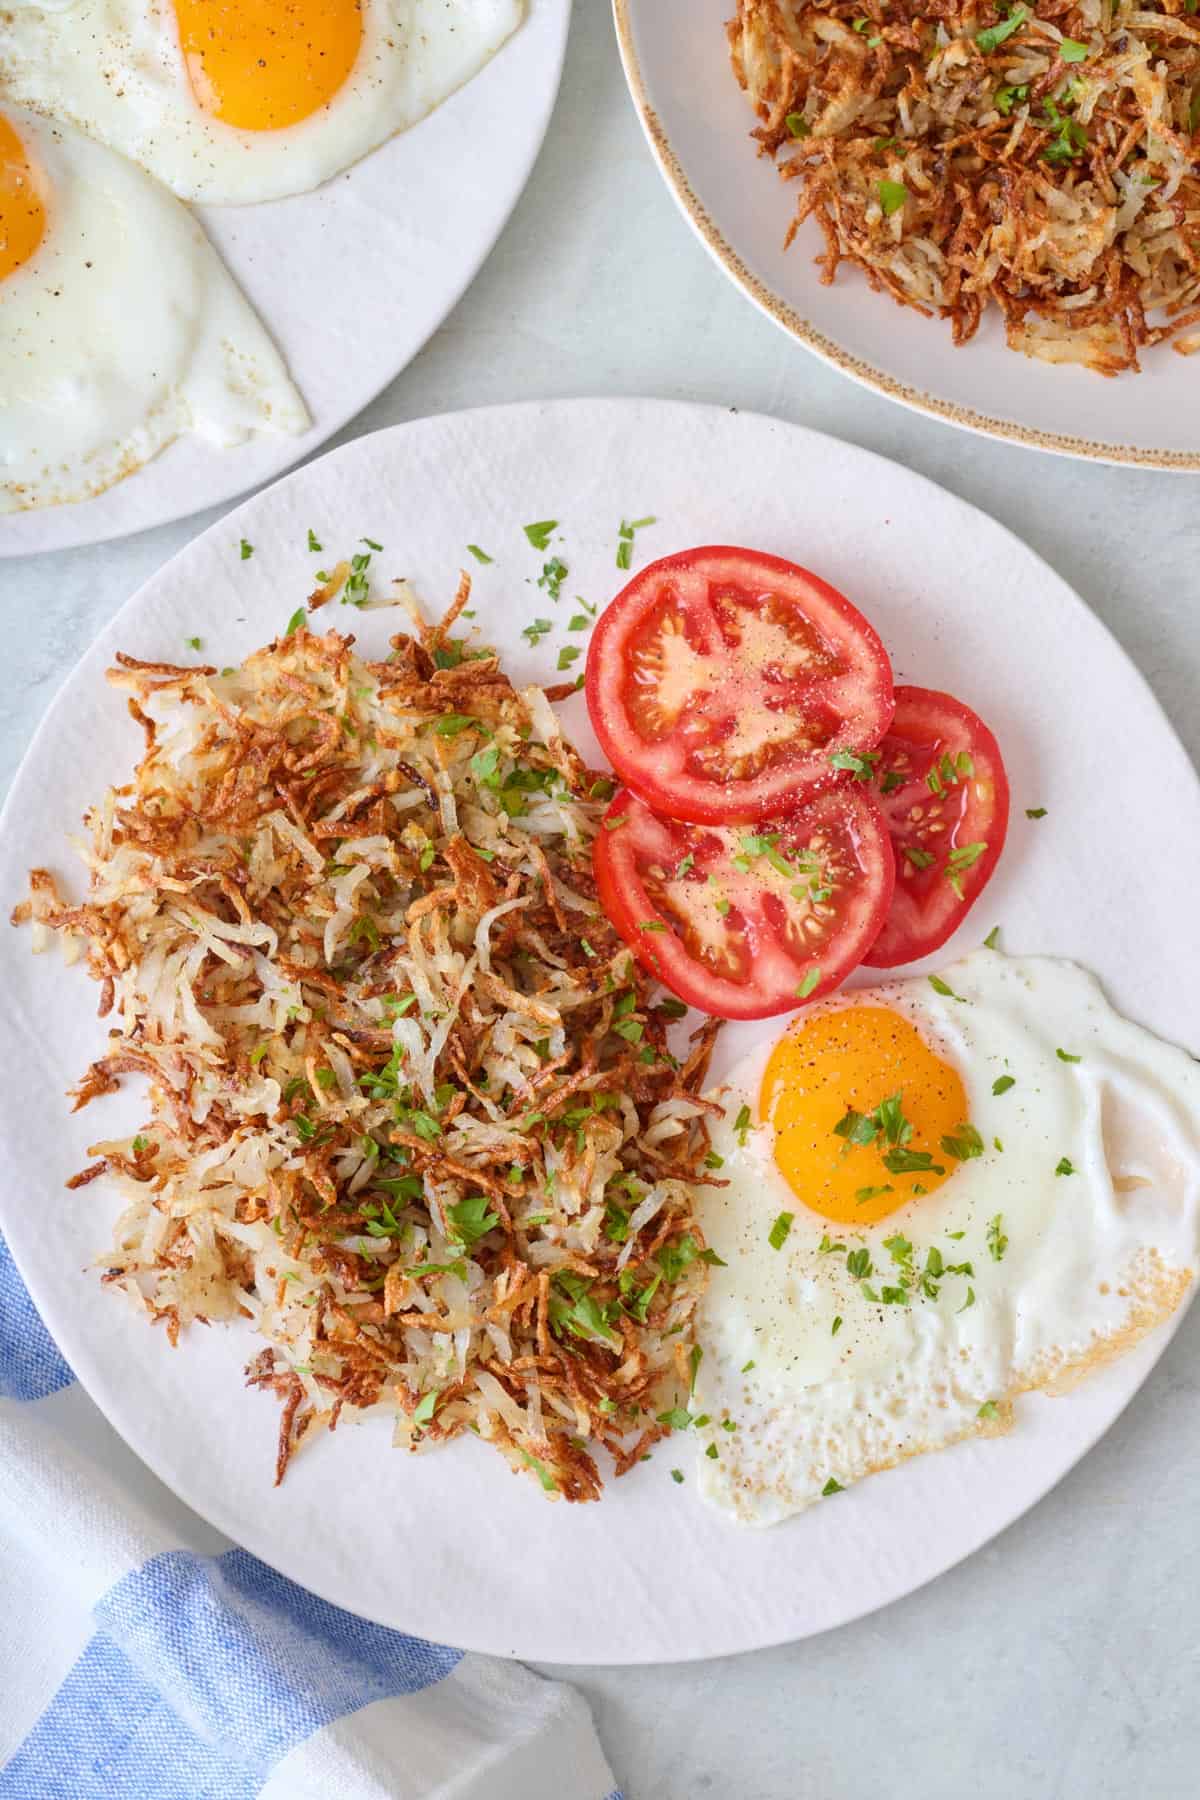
{"x": 720, "y": 683}
{"x": 942, "y": 785}
{"x": 745, "y": 923}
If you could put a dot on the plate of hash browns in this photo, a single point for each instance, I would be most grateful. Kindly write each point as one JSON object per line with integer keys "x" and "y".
{"x": 990, "y": 212}
{"x": 359, "y": 1150}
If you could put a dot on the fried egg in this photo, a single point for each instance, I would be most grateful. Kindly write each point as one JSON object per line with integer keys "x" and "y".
{"x": 244, "y": 100}
{"x": 942, "y": 1193}
{"x": 120, "y": 327}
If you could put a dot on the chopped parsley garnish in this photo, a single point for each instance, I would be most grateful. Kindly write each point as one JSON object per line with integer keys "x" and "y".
{"x": 911, "y": 1162}
{"x": 996, "y": 35}
{"x": 140, "y": 1143}
{"x": 832, "y": 1486}
{"x": 1002, "y": 1084}
{"x": 425, "y": 1408}
{"x": 450, "y": 724}
{"x": 246, "y": 550}
{"x": 741, "y": 1124}
{"x": 712, "y": 1452}
{"x": 991, "y": 941}
{"x": 1065, "y": 1166}
{"x": 858, "y": 1264}
{"x": 1035, "y": 812}
{"x": 989, "y": 1410}
{"x": 941, "y": 987}
{"x": 370, "y": 543}
{"x": 920, "y": 859}
{"x": 625, "y": 539}
{"x": 537, "y": 630}
{"x": 652, "y": 925}
{"x": 1072, "y": 51}
{"x": 295, "y": 622}
{"x": 963, "y": 1143}
{"x": 312, "y": 542}
{"x": 1005, "y": 98}
{"x": 891, "y": 781}
{"x": 678, "y": 1419}
{"x": 808, "y": 984}
{"x": 778, "y": 1234}
{"x": 553, "y": 574}
{"x": 541, "y": 1471}
{"x": 194, "y": 643}
{"x": 539, "y": 532}
{"x": 997, "y": 1243}
{"x": 1066, "y": 1056}
{"x": 836, "y": 1326}
{"x": 481, "y": 556}
{"x": 892, "y": 195}
{"x": 746, "y": 1367}
{"x": 567, "y": 655}
{"x": 861, "y": 767}
{"x": 798, "y": 125}
{"x": 676, "y": 1474}
{"x": 471, "y": 1219}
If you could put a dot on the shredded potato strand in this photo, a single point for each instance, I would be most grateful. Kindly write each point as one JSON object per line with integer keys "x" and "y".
{"x": 414, "y": 1112}
{"x": 1046, "y": 160}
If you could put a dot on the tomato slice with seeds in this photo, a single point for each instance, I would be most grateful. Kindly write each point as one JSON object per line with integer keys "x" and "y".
{"x": 721, "y": 681}
{"x": 741, "y": 922}
{"x": 942, "y": 785}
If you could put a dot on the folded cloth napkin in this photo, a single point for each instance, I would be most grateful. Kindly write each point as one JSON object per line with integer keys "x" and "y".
{"x": 144, "y": 1657}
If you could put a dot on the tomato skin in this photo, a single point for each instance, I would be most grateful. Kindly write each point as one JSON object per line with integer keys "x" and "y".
{"x": 634, "y": 848}
{"x": 973, "y": 809}
{"x": 681, "y": 745}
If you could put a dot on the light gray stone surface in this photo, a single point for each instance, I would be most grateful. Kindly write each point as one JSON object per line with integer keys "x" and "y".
{"x": 1063, "y": 1663}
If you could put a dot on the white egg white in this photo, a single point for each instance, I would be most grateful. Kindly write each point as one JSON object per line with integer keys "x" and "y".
{"x": 1096, "y": 1191}
{"x": 121, "y": 332}
{"x": 116, "y": 69}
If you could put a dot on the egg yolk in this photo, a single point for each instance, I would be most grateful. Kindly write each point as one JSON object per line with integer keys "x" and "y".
{"x": 842, "y": 1063}
{"x": 263, "y": 64}
{"x": 22, "y": 215}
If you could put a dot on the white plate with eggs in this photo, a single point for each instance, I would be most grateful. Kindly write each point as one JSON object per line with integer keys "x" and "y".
{"x": 136, "y": 383}
{"x": 664, "y": 1569}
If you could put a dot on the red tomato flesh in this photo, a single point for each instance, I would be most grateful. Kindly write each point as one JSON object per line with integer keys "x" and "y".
{"x": 943, "y": 789}
{"x": 746, "y": 923}
{"x": 720, "y": 682}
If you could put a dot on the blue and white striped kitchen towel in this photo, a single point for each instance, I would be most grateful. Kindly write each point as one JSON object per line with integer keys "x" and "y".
{"x": 142, "y": 1657}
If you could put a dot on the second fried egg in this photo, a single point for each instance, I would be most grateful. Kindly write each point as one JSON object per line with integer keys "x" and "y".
{"x": 942, "y": 1192}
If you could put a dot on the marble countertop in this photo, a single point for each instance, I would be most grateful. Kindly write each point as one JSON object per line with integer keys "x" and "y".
{"x": 1064, "y": 1660}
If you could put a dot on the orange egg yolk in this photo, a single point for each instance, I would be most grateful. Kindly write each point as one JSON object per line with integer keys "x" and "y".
{"x": 22, "y": 214}
{"x": 847, "y": 1061}
{"x": 263, "y": 64}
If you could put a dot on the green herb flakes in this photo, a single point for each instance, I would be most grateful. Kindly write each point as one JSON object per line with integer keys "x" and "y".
{"x": 778, "y": 1234}
{"x": 892, "y": 195}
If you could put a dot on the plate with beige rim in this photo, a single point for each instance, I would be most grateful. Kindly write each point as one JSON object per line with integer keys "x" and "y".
{"x": 698, "y": 122}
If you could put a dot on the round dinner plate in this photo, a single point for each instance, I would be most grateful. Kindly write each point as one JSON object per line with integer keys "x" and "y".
{"x": 698, "y": 122}
{"x": 350, "y": 280}
{"x": 450, "y": 1544}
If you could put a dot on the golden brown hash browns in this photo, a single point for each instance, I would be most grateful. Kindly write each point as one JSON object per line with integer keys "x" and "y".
{"x": 415, "y": 1113}
{"x": 1046, "y": 160}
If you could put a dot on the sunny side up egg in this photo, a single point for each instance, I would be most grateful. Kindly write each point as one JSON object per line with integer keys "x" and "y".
{"x": 938, "y": 1197}
{"x": 245, "y": 100}
{"x": 120, "y": 327}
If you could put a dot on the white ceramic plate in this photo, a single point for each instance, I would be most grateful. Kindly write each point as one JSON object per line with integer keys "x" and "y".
{"x": 698, "y": 123}
{"x": 350, "y": 280}
{"x": 451, "y": 1544}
